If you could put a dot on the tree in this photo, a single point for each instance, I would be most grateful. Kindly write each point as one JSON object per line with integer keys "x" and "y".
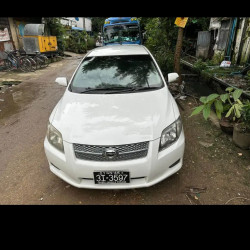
{"x": 177, "y": 55}
{"x": 161, "y": 37}
{"x": 53, "y": 27}
{"x": 97, "y": 24}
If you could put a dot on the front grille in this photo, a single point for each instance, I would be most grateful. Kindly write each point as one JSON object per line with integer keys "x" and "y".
{"x": 123, "y": 152}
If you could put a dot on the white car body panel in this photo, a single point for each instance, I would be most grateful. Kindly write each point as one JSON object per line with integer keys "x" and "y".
{"x": 115, "y": 119}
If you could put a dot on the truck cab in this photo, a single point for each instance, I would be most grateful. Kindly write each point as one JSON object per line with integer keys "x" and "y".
{"x": 121, "y": 30}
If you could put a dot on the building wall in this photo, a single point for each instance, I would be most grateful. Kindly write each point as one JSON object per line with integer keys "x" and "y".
{"x": 238, "y": 39}
{"x": 6, "y": 41}
{"x": 72, "y": 22}
{"x": 245, "y": 54}
{"x": 83, "y": 22}
{"x": 17, "y": 27}
{"x": 219, "y": 27}
{"x": 240, "y": 43}
{"x": 14, "y": 33}
{"x": 88, "y": 24}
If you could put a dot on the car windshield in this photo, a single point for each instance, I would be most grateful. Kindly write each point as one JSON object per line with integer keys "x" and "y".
{"x": 114, "y": 72}
{"x": 121, "y": 33}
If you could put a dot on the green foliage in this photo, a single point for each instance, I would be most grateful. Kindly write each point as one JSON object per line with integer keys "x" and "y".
{"x": 236, "y": 105}
{"x": 202, "y": 23}
{"x": 161, "y": 35}
{"x": 76, "y": 42}
{"x": 97, "y": 24}
{"x": 248, "y": 77}
{"x": 199, "y": 65}
{"x": 229, "y": 103}
{"x": 208, "y": 102}
{"x": 246, "y": 115}
{"x": 53, "y": 27}
{"x": 218, "y": 57}
{"x": 91, "y": 43}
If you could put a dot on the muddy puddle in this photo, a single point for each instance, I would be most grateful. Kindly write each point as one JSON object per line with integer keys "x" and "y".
{"x": 15, "y": 96}
{"x": 195, "y": 85}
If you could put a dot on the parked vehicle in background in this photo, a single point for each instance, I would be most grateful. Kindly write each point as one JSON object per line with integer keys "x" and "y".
{"x": 117, "y": 126}
{"x": 35, "y": 39}
{"x": 121, "y": 30}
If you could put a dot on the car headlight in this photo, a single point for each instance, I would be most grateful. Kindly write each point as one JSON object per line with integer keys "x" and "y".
{"x": 55, "y": 137}
{"x": 170, "y": 134}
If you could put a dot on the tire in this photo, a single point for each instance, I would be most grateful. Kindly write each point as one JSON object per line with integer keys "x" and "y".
{"x": 45, "y": 60}
{"x": 39, "y": 63}
{"x": 25, "y": 65}
{"x": 33, "y": 64}
{"x": 7, "y": 64}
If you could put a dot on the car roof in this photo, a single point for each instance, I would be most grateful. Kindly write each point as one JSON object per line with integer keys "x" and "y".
{"x": 116, "y": 50}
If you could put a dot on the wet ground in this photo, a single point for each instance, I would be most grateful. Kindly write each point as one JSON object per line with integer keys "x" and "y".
{"x": 215, "y": 171}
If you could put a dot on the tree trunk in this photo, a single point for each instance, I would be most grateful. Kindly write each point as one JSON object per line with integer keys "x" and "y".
{"x": 178, "y": 54}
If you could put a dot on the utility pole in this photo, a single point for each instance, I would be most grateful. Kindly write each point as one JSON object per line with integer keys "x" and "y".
{"x": 177, "y": 55}
{"x": 181, "y": 23}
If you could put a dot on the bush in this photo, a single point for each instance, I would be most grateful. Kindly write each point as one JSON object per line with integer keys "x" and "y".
{"x": 76, "y": 42}
{"x": 161, "y": 36}
{"x": 54, "y": 27}
{"x": 199, "y": 65}
{"x": 161, "y": 40}
{"x": 91, "y": 43}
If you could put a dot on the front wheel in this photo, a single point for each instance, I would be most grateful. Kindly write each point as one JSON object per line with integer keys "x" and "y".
{"x": 33, "y": 64}
{"x": 7, "y": 64}
{"x": 39, "y": 63}
{"x": 25, "y": 65}
{"x": 45, "y": 60}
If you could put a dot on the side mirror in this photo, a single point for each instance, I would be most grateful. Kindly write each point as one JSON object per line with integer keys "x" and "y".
{"x": 172, "y": 77}
{"x": 62, "y": 81}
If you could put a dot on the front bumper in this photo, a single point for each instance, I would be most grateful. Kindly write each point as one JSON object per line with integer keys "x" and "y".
{"x": 144, "y": 172}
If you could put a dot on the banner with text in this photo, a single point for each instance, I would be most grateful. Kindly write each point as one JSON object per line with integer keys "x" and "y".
{"x": 4, "y": 35}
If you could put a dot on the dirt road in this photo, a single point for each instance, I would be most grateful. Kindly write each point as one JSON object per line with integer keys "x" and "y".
{"x": 214, "y": 171}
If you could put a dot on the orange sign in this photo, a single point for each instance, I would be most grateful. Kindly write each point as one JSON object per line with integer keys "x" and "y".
{"x": 181, "y": 21}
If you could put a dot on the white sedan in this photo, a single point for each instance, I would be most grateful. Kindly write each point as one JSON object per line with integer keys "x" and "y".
{"x": 117, "y": 126}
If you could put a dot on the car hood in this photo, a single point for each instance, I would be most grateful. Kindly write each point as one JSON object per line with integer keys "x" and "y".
{"x": 113, "y": 119}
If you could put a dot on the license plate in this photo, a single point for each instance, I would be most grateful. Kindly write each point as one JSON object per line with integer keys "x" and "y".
{"x": 105, "y": 177}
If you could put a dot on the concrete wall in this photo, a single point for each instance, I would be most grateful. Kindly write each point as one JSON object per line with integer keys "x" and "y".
{"x": 88, "y": 24}
{"x": 246, "y": 44}
{"x": 241, "y": 41}
{"x": 6, "y": 42}
{"x": 238, "y": 39}
{"x": 83, "y": 22}
{"x": 71, "y": 21}
{"x": 17, "y": 28}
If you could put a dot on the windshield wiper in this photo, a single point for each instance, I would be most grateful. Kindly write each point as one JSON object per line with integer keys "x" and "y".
{"x": 134, "y": 89}
{"x": 110, "y": 88}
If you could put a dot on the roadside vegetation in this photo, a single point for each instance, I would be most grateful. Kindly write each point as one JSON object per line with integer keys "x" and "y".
{"x": 67, "y": 39}
{"x": 161, "y": 36}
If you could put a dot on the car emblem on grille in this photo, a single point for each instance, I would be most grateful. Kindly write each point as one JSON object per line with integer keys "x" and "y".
{"x": 110, "y": 153}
